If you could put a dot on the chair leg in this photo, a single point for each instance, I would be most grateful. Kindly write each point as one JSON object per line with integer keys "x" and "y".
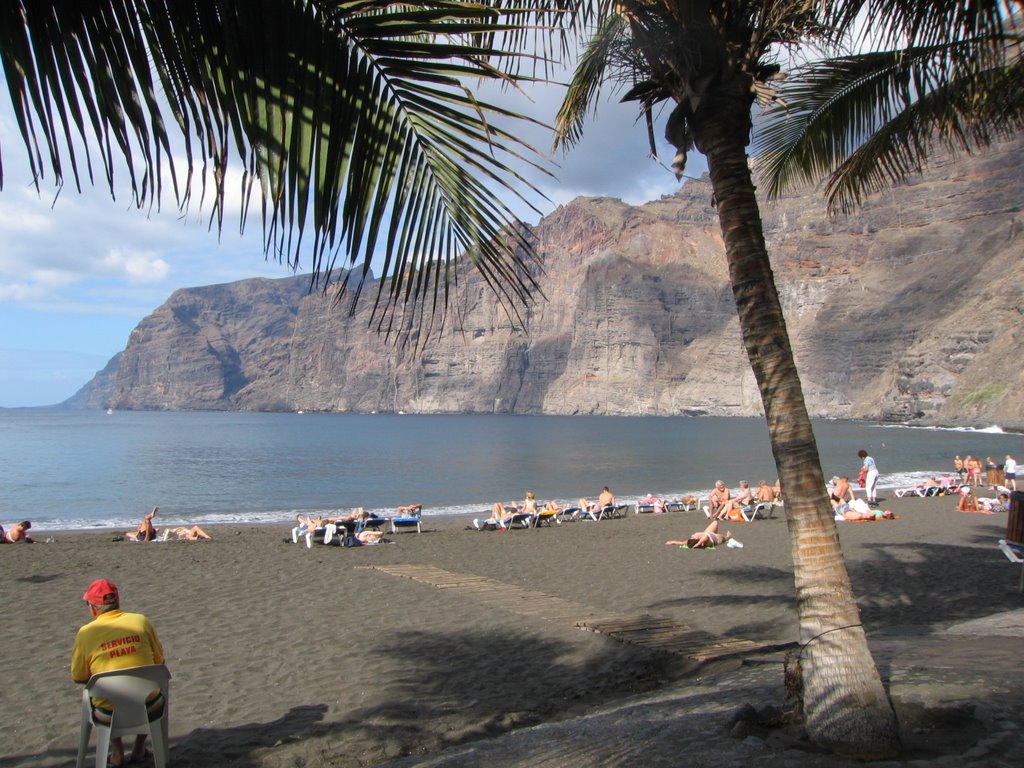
{"x": 102, "y": 746}
{"x": 159, "y": 737}
{"x": 83, "y": 744}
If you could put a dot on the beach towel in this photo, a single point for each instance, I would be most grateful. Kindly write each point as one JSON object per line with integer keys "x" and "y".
{"x": 869, "y": 519}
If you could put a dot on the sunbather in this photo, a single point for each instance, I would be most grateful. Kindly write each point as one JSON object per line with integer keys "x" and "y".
{"x": 501, "y": 514}
{"x": 764, "y": 493}
{"x": 854, "y": 515}
{"x": 841, "y": 492}
{"x": 743, "y": 499}
{"x": 195, "y": 533}
{"x": 709, "y": 537}
{"x": 410, "y": 510}
{"x": 718, "y": 496}
{"x": 306, "y": 524}
{"x": 999, "y": 504}
{"x": 968, "y": 502}
{"x": 530, "y": 504}
{"x": 146, "y": 530}
{"x": 17, "y": 533}
{"x": 656, "y": 504}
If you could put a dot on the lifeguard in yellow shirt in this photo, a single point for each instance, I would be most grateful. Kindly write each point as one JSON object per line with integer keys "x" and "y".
{"x": 113, "y": 640}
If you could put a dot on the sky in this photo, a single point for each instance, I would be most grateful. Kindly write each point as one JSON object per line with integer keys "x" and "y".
{"x": 78, "y": 271}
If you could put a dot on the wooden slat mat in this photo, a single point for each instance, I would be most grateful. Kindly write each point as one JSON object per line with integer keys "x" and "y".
{"x": 655, "y": 632}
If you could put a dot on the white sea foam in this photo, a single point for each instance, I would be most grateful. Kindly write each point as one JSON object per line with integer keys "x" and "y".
{"x": 995, "y": 429}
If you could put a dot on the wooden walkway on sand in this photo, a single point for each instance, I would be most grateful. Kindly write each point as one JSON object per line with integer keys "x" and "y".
{"x": 657, "y": 633}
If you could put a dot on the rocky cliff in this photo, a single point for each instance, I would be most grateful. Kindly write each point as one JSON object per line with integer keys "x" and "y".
{"x": 910, "y": 311}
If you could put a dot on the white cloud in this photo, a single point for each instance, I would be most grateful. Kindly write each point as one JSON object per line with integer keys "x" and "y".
{"x": 136, "y": 266}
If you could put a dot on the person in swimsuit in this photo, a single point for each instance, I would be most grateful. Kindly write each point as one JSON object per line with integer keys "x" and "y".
{"x": 195, "y": 533}
{"x": 875, "y": 514}
{"x": 146, "y": 531}
{"x": 744, "y": 498}
{"x": 709, "y": 537}
{"x": 764, "y": 493}
{"x": 841, "y": 491}
{"x": 719, "y": 495}
{"x": 16, "y": 533}
{"x": 530, "y": 505}
{"x": 968, "y": 503}
{"x": 410, "y": 509}
{"x": 606, "y": 499}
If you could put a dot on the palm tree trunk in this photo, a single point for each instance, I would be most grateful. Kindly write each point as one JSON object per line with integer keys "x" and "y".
{"x": 846, "y": 707}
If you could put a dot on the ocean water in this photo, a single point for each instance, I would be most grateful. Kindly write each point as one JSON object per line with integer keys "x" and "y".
{"x": 89, "y": 469}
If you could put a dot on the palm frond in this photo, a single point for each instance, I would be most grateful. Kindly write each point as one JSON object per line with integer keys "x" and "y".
{"x": 906, "y": 24}
{"x": 833, "y": 109}
{"x": 589, "y": 75}
{"x": 953, "y": 116}
{"x": 356, "y": 119}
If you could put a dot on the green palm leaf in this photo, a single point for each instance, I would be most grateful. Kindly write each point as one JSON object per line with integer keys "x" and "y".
{"x": 870, "y": 120}
{"x": 356, "y": 120}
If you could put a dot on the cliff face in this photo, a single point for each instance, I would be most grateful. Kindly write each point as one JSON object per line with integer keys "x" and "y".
{"x": 910, "y": 311}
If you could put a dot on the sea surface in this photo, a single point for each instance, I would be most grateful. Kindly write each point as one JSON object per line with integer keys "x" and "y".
{"x": 90, "y": 469}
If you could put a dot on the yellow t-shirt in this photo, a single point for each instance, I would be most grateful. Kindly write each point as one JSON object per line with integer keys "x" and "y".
{"x": 114, "y": 640}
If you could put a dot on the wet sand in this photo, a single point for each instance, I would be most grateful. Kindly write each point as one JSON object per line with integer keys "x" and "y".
{"x": 287, "y": 656}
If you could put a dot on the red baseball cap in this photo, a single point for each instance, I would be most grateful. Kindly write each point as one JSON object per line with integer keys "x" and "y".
{"x": 101, "y": 592}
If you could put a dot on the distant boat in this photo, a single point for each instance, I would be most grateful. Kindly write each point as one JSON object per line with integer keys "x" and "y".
{"x": 300, "y": 412}
{"x": 110, "y": 411}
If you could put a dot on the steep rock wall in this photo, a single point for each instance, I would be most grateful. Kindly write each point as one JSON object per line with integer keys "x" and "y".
{"x": 909, "y": 311}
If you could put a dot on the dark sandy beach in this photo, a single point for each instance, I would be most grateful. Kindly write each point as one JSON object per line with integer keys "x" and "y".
{"x": 288, "y": 656}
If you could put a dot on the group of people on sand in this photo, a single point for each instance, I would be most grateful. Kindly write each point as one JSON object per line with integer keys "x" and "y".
{"x": 503, "y": 513}
{"x": 972, "y": 471}
{"x": 146, "y": 531}
{"x": 353, "y": 524}
{"x": 847, "y": 507}
{"x": 985, "y": 505}
{"x": 722, "y": 505}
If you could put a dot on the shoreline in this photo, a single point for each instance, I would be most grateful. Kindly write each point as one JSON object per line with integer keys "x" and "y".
{"x": 174, "y": 519}
{"x": 1011, "y": 428}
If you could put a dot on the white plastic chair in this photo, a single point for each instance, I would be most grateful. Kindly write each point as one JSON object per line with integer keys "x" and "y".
{"x": 127, "y": 690}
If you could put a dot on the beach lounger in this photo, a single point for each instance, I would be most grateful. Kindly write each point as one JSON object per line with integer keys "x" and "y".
{"x": 593, "y": 514}
{"x": 567, "y": 513}
{"x": 762, "y": 510}
{"x": 545, "y": 517}
{"x": 611, "y": 511}
{"x": 406, "y": 522}
{"x": 301, "y": 532}
{"x": 681, "y": 506}
{"x": 519, "y": 520}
